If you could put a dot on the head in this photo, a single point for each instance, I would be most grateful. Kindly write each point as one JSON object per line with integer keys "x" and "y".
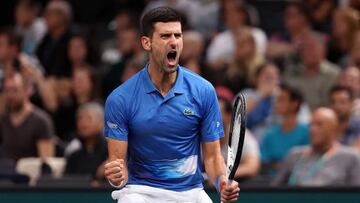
{"x": 77, "y": 49}
{"x": 162, "y": 38}
{"x": 288, "y": 101}
{"x": 89, "y": 120}
{"x": 10, "y": 44}
{"x": 235, "y": 14}
{"x": 58, "y": 13}
{"x": 313, "y": 50}
{"x": 345, "y": 22}
{"x": 26, "y": 12}
{"x": 323, "y": 128}
{"x": 355, "y": 50}
{"x": 267, "y": 73}
{"x": 245, "y": 44}
{"x": 127, "y": 40}
{"x": 193, "y": 45}
{"x": 341, "y": 99}
{"x": 297, "y": 17}
{"x": 17, "y": 91}
{"x": 83, "y": 80}
{"x": 350, "y": 77}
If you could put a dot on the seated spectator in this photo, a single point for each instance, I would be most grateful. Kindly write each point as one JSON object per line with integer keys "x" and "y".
{"x": 81, "y": 52}
{"x": 28, "y": 25}
{"x": 314, "y": 76}
{"x": 25, "y": 130}
{"x": 221, "y": 48}
{"x": 323, "y": 163}
{"x": 191, "y": 56}
{"x": 345, "y": 23}
{"x": 250, "y": 161}
{"x": 52, "y": 50}
{"x": 259, "y": 100}
{"x": 88, "y": 151}
{"x": 350, "y": 77}
{"x": 280, "y": 138}
{"x": 349, "y": 126}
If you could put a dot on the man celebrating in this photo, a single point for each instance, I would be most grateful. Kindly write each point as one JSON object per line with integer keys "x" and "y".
{"x": 156, "y": 121}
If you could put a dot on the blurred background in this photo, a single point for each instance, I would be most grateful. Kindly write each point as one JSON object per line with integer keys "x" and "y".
{"x": 59, "y": 60}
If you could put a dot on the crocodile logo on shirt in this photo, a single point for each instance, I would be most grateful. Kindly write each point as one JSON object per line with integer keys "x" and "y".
{"x": 188, "y": 112}
{"x": 111, "y": 125}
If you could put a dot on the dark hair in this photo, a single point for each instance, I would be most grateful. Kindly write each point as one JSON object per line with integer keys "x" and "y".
{"x": 303, "y": 8}
{"x": 294, "y": 95}
{"x": 160, "y": 14}
{"x": 12, "y": 37}
{"x": 262, "y": 67}
{"x": 340, "y": 88}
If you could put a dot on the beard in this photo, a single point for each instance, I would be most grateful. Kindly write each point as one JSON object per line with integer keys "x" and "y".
{"x": 15, "y": 107}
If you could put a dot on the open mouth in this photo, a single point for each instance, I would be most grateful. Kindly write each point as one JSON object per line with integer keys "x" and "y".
{"x": 171, "y": 56}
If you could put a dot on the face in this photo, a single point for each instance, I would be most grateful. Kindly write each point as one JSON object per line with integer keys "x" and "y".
{"x": 322, "y": 129}
{"x": 88, "y": 123}
{"x": 54, "y": 17}
{"x": 245, "y": 47}
{"x": 165, "y": 46}
{"x": 283, "y": 104}
{"x": 232, "y": 16}
{"x": 269, "y": 75}
{"x": 339, "y": 25}
{"x": 15, "y": 93}
{"x": 82, "y": 84}
{"x": 126, "y": 41}
{"x": 77, "y": 49}
{"x": 341, "y": 104}
{"x": 24, "y": 16}
{"x": 312, "y": 52}
{"x": 294, "y": 19}
{"x": 4, "y": 48}
{"x": 350, "y": 78}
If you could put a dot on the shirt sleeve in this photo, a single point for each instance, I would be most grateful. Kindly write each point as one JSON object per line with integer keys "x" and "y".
{"x": 211, "y": 126}
{"x": 45, "y": 126}
{"x": 116, "y": 120}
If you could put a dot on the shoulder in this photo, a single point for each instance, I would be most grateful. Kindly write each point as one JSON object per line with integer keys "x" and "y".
{"x": 194, "y": 81}
{"x": 330, "y": 69}
{"x": 349, "y": 152}
{"x": 40, "y": 115}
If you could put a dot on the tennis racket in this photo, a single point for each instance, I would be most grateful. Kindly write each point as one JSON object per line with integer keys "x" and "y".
{"x": 236, "y": 136}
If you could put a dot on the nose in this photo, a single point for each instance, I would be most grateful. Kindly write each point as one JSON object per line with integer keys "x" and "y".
{"x": 173, "y": 42}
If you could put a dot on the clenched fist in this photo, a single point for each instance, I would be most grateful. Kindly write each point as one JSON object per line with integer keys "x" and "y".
{"x": 116, "y": 172}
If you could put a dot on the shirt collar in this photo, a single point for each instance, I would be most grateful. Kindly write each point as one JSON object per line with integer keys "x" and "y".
{"x": 178, "y": 88}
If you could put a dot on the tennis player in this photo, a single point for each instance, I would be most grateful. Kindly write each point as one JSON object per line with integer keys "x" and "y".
{"x": 158, "y": 121}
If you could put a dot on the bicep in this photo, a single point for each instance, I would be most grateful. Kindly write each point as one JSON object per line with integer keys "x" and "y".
{"x": 117, "y": 149}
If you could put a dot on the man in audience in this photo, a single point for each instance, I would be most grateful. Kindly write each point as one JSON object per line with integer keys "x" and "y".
{"x": 325, "y": 162}
{"x": 192, "y": 53}
{"x": 280, "y": 138}
{"x": 87, "y": 153}
{"x": 250, "y": 160}
{"x": 314, "y": 76}
{"x": 349, "y": 126}
{"x": 52, "y": 50}
{"x": 25, "y": 130}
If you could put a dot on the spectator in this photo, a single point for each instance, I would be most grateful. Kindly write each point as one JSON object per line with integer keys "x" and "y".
{"x": 130, "y": 48}
{"x": 88, "y": 151}
{"x": 321, "y": 11}
{"x": 259, "y": 100}
{"x": 345, "y": 23}
{"x": 241, "y": 71}
{"x": 250, "y": 160}
{"x": 314, "y": 76}
{"x": 325, "y": 162}
{"x": 81, "y": 52}
{"x": 349, "y": 126}
{"x": 10, "y": 44}
{"x": 353, "y": 58}
{"x": 350, "y": 77}
{"x": 52, "y": 50}
{"x": 191, "y": 56}
{"x": 221, "y": 48}
{"x": 280, "y": 138}
{"x": 25, "y": 130}
{"x": 28, "y": 25}
{"x": 297, "y": 20}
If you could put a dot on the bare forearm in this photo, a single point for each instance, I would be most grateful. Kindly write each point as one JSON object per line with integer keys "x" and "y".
{"x": 248, "y": 168}
{"x": 45, "y": 148}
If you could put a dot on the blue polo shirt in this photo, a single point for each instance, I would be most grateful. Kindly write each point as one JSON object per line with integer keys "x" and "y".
{"x": 164, "y": 133}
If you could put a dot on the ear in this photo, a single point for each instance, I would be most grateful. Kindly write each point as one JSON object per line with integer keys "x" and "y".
{"x": 146, "y": 43}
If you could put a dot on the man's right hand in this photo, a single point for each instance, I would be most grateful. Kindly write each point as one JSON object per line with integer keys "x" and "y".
{"x": 116, "y": 172}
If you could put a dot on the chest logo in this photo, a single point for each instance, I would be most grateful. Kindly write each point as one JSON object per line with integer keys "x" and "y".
{"x": 188, "y": 112}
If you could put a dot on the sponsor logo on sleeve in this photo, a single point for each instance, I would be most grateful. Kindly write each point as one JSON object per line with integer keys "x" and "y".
{"x": 111, "y": 125}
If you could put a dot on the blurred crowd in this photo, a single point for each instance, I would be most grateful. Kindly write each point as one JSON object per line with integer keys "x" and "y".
{"x": 296, "y": 62}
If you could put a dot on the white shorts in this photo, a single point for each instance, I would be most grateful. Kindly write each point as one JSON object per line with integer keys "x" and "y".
{"x": 147, "y": 194}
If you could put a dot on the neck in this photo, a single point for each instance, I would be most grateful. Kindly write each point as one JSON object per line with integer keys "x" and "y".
{"x": 343, "y": 124}
{"x": 162, "y": 80}
{"x": 289, "y": 123}
{"x": 58, "y": 32}
{"x": 312, "y": 70}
